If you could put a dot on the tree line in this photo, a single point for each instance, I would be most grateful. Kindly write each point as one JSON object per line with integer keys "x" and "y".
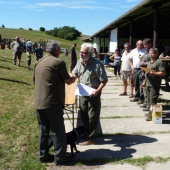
{"x": 66, "y": 32}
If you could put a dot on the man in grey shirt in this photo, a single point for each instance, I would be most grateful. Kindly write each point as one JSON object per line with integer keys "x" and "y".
{"x": 90, "y": 72}
{"x": 17, "y": 47}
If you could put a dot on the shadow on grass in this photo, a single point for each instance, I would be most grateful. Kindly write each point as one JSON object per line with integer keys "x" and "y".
{"x": 5, "y": 61}
{"x": 5, "y": 68}
{"x": 15, "y": 81}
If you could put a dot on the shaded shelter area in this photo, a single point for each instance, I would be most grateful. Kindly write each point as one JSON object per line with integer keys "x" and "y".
{"x": 149, "y": 19}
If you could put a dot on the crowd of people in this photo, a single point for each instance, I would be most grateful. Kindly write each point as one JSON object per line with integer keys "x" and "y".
{"x": 50, "y": 75}
{"x": 20, "y": 47}
{"x": 146, "y": 84}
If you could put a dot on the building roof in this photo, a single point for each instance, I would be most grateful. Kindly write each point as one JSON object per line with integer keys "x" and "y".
{"x": 144, "y": 8}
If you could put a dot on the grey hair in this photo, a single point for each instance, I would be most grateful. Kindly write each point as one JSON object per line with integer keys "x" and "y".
{"x": 155, "y": 50}
{"x": 52, "y": 45}
{"x": 147, "y": 40}
{"x": 127, "y": 44}
{"x": 89, "y": 46}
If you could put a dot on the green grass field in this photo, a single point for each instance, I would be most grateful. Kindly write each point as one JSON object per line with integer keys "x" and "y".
{"x": 37, "y": 35}
{"x": 18, "y": 124}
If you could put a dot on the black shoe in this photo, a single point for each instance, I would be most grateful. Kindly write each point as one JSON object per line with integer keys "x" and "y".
{"x": 143, "y": 106}
{"x": 14, "y": 64}
{"x": 167, "y": 85}
{"x": 49, "y": 159}
{"x": 19, "y": 65}
{"x": 68, "y": 159}
{"x": 149, "y": 118}
{"x": 134, "y": 100}
{"x": 146, "y": 109}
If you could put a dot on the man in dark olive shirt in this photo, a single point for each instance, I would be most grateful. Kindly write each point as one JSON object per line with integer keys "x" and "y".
{"x": 50, "y": 75}
{"x": 153, "y": 79}
{"x": 38, "y": 52}
{"x": 73, "y": 57}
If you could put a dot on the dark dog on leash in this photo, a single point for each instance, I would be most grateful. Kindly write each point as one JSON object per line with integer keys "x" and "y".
{"x": 71, "y": 138}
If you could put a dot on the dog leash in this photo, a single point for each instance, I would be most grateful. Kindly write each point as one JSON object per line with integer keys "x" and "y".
{"x": 72, "y": 124}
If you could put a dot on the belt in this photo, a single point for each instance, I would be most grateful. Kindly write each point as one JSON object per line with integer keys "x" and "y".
{"x": 137, "y": 68}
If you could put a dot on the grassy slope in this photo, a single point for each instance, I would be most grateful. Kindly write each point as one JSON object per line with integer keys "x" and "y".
{"x": 18, "y": 124}
{"x": 37, "y": 35}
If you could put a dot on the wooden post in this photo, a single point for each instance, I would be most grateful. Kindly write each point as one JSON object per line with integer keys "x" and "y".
{"x": 155, "y": 33}
{"x": 100, "y": 45}
{"x": 131, "y": 35}
{"x": 103, "y": 42}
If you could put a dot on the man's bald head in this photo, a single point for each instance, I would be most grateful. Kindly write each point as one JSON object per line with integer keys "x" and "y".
{"x": 139, "y": 44}
{"x": 17, "y": 38}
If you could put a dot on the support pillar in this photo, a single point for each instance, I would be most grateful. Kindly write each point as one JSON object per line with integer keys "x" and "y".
{"x": 117, "y": 37}
{"x": 100, "y": 45}
{"x": 155, "y": 33}
{"x": 103, "y": 42}
{"x": 131, "y": 35}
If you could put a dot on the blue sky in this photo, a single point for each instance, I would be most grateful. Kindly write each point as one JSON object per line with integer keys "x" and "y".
{"x": 88, "y": 16}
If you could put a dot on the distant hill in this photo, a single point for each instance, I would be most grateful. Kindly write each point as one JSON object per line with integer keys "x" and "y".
{"x": 37, "y": 35}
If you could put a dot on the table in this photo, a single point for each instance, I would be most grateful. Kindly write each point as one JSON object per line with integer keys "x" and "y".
{"x": 70, "y": 98}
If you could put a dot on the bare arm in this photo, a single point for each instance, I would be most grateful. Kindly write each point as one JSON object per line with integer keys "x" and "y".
{"x": 131, "y": 63}
{"x": 167, "y": 57}
{"x": 102, "y": 84}
{"x": 71, "y": 56}
{"x": 121, "y": 68}
{"x": 160, "y": 73}
{"x": 112, "y": 57}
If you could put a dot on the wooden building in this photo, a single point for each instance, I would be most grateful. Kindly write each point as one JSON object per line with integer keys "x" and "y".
{"x": 149, "y": 19}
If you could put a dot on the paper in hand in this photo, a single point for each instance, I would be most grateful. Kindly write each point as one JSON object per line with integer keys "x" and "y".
{"x": 83, "y": 90}
{"x": 145, "y": 69}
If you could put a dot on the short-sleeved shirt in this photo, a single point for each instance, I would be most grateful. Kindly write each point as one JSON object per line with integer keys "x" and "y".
{"x": 164, "y": 54}
{"x": 29, "y": 43}
{"x": 39, "y": 52}
{"x": 117, "y": 60}
{"x": 135, "y": 56}
{"x": 74, "y": 55}
{"x": 154, "y": 66}
{"x": 49, "y": 75}
{"x": 23, "y": 42}
{"x": 28, "y": 56}
{"x": 17, "y": 46}
{"x": 146, "y": 57}
{"x": 125, "y": 62}
{"x": 94, "y": 55}
{"x": 93, "y": 73}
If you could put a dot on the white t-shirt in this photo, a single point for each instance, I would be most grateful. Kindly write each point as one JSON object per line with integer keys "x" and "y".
{"x": 135, "y": 56}
{"x": 29, "y": 43}
{"x": 125, "y": 62}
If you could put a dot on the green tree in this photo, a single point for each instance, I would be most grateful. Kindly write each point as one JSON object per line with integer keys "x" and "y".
{"x": 0, "y": 38}
{"x": 42, "y": 29}
{"x": 3, "y": 26}
{"x": 30, "y": 29}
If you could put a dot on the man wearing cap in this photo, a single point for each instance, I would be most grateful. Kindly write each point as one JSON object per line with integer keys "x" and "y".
{"x": 18, "y": 49}
{"x": 90, "y": 72}
{"x": 152, "y": 82}
{"x": 50, "y": 75}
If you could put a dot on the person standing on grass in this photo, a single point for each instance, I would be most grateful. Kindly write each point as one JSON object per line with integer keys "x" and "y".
{"x": 29, "y": 45}
{"x": 24, "y": 45}
{"x": 125, "y": 70}
{"x": 73, "y": 57}
{"x": 66, "y": 53}
{"x": 18, "y": 49}
{"x": 28, "y": 58}
{"x": 136, "y": 56}
{"x": 90, "y": 72}
{"x": 116, "y": 58}
{"x": 38, "y": 52}
{"x": 49, "y": 76}
{"x": 152, "y": 82}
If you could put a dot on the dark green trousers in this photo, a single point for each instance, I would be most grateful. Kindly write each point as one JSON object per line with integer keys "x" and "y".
{"x": 52, "y": 119}
{"x": 90, "y": 113}
{"x": 152, "y": 95}
{"x": 145, "y": 96}
{"x": 137, "y": 78}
